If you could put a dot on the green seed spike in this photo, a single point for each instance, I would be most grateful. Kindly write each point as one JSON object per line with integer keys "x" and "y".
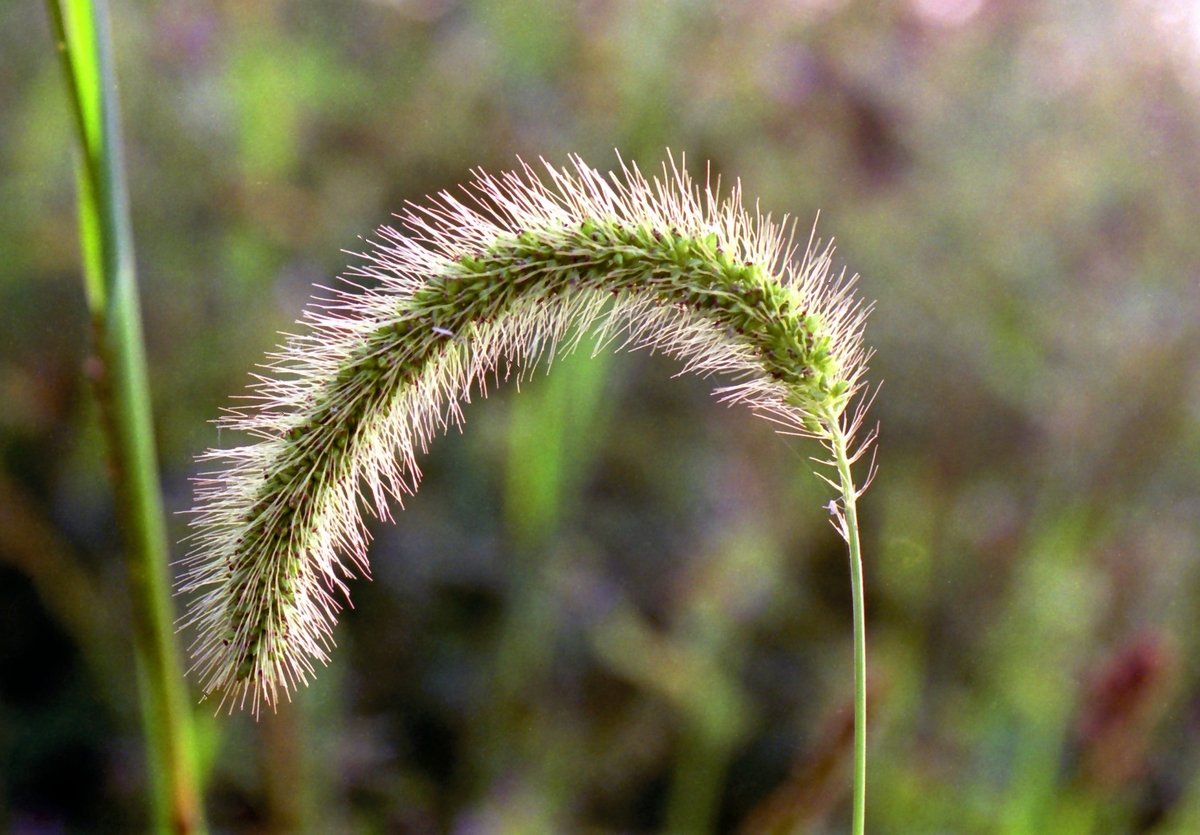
{"x": 459, "y": 294}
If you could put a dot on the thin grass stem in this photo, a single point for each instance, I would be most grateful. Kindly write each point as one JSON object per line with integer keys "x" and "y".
{"x": 121, "y": 387}
{"x": 849, "y": 523}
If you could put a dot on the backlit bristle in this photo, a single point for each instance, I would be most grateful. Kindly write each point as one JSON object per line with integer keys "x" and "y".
{"x": 475, "y": 286}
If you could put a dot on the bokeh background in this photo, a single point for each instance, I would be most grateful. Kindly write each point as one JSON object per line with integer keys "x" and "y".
{"x": 616, "y": 605}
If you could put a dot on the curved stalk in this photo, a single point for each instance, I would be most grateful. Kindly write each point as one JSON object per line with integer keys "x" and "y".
{"x": 468, "y": 290}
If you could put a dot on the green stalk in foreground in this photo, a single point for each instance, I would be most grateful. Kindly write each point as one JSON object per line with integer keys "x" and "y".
{"x": 848, "y": 527}
{"x": 81, "y": 31}
{"x": 471, "y": 292}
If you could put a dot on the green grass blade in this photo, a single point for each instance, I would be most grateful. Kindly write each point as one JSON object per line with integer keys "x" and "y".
{"x": 122, "y": 390}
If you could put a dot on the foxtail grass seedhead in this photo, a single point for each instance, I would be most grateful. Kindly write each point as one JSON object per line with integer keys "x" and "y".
{"x": 477, "y": 284}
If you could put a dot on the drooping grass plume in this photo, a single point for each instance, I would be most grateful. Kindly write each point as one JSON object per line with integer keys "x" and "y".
{"x": 475, "y": 286}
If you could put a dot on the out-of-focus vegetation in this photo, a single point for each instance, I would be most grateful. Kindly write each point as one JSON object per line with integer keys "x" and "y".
{"x": 616, "y": 605}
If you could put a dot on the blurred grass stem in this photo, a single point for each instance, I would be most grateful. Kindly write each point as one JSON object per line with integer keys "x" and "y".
{"x": 120, "y": 384}
{"x": 694, "y": 802}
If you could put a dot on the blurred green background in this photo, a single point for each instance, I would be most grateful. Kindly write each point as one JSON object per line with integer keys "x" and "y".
{"x": 616, "y": 605}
